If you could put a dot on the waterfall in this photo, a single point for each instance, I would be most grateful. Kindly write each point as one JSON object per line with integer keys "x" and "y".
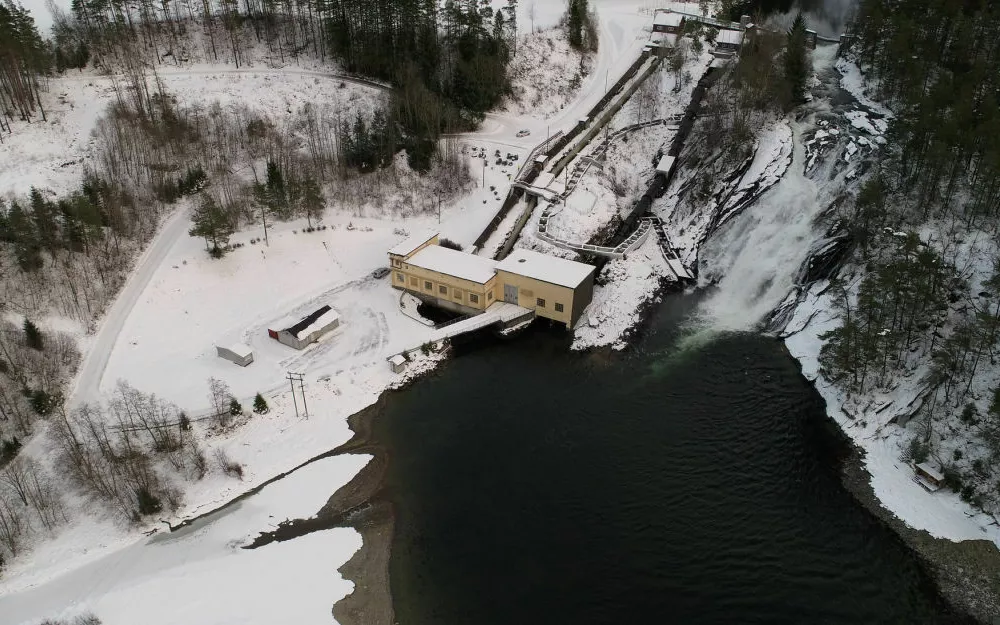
{"x": 755, "y": 261}
{"x": 756, "y": 258}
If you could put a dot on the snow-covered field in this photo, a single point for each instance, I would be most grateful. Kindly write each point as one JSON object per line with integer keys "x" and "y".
{"x": 164, "y": 579}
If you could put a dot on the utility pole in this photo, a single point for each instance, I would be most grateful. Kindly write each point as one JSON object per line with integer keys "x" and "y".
{"x": 292, "y": 379}
{"x": 302, "y": 389}
{"x": 263, "y": 217}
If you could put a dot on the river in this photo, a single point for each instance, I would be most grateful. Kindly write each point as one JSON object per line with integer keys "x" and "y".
{"x": 693, "y": 479}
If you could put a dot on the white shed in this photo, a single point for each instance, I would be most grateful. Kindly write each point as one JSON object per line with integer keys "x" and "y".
{"x": 235, "y": 352}
{"x": 397, "y": 363}
{"x": 666, "y": 165}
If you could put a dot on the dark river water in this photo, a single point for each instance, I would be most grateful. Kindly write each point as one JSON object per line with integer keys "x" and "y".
{"x": 685, "y": 481}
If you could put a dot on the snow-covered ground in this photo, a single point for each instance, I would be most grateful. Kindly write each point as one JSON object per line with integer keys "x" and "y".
{"x": 546, "y": 74}
{"x": 51, "y": 155}
{"x": 163, "y": 579}
{"x": 630, "y": 283}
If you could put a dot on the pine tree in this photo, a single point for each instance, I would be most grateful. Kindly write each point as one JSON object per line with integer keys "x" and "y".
{"x": 577, "y": 11}
{"x": 235, "y": 408}
{"x": 33, "y": 336}
{"x": 796, "y": 60}
{"x": 20, "y": 230}
{"x": 260, "y": 404}
{"x": 212, "y": 224}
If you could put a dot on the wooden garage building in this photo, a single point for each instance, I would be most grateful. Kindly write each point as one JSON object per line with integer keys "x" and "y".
{"x": 308, "y": 329}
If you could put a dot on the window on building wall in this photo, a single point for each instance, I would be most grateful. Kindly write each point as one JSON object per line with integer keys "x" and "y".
{"x": 395, "y": 262}
{"x": 428, "y": 285}
{"x": 443, "y": 289}
{"x": 473, "y": 298}
{"x": 540, "y": 302}
{"x": 458, "y": 294}
{"x": 559, "y": 307}
{"x": 489, "y": 296}
{"x": 399, "y": 277}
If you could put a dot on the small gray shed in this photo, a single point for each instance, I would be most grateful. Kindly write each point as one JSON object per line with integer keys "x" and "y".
{"x": 236, "y": 352}
{"x": 397, "y": 363}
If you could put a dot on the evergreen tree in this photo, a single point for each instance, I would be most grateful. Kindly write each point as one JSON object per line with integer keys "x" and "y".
{"x": 260, "y": 404}
{"x": 796, "y": 60}
{"x": 212, "y": 224}
{"x": 20, "y": 230}
{"x": 235, "y": 409}
{"x": 313, "y": 201}
{"x": 33, "y": 336}
{"x": 576, "y": 13}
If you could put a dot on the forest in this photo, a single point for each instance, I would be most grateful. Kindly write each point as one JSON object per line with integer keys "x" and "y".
{"x": 925, "y": 227}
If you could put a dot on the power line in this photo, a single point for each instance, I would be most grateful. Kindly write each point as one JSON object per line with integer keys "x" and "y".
{"x": 300, "y": 378}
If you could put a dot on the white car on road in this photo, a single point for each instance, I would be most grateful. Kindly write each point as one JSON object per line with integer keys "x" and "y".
{"x": 523, "y": 133}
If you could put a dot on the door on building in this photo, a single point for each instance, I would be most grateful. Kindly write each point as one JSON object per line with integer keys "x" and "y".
{"x": 510, "y": 293}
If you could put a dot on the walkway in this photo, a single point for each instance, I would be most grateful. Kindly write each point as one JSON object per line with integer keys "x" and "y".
{"x": 669, "y": 253}
{"x": 584, "y": 163}
{"x": 503, "y": 313}
{"x": 704, "y": 19}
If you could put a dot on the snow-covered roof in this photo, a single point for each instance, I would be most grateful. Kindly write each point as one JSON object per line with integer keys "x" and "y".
{"x": 668, "y": 18}
{"x": 412, "y": 242}
{"x": 397, "y": 360}
{"x": 930, "y": 471}
{"x": 239, "y": 349}
{"x": 731, "y": 37}
{"x": 567, "y": 273}
{"x": 658, "y": 38}
{"x": 454, "y": 263}
{"x": 665, "y": 164}
{"x": 316, "y": 321}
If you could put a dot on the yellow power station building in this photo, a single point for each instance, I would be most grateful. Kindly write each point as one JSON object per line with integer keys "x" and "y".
{"x": 552, "y": 287}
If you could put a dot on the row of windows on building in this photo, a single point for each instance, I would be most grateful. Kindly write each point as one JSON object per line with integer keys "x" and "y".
{"x": 442, "y": 289}
{"x": 473, "y": 297}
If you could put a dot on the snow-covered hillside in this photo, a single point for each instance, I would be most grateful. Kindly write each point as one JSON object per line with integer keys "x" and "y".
{"x": 546, "y": 74}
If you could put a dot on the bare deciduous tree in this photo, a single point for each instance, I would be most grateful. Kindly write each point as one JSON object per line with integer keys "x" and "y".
{"x": 218, "y": 400}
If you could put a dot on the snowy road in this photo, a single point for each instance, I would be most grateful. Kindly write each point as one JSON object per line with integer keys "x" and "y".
{"x": 87, "y": 383}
